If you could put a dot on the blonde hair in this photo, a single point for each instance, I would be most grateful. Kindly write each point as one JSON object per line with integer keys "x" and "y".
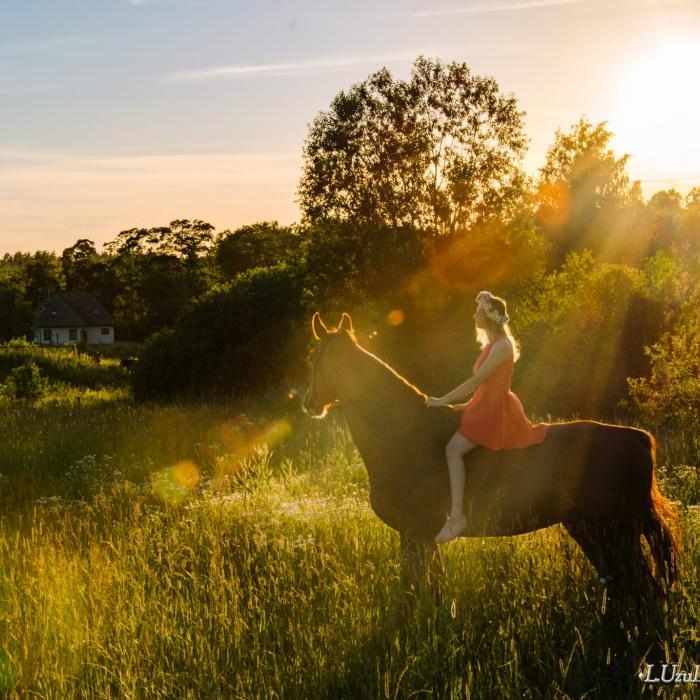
{"x": 495, "y": 329}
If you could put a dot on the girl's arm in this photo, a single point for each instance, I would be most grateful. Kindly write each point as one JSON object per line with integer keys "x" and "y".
{"x": 500, "y": 352}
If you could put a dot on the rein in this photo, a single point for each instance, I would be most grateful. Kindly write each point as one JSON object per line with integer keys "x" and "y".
{"x": 367, "y": 402}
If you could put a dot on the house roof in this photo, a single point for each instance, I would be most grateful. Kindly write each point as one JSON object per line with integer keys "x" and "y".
{"x": 63, "y": 309}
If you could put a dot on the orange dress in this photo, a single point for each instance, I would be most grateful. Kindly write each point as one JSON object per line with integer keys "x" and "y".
{"x": 494, "y": 417}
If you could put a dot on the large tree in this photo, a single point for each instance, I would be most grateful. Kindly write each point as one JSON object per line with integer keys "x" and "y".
{"x": 188, "y": 240}
{"x": 585, "y": 198}
{"x": 78, "y": 265}
{"x": 257, "y": 245}
{"x": 42, "y": 276}
{"x": 440, "y": 151}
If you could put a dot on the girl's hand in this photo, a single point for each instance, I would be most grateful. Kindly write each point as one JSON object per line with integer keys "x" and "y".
{"x": 458, "y": 407}
{"x": 432, "y": 402}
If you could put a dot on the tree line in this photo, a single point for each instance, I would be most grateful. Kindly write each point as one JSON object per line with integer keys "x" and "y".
{"x": 413, "y": 197}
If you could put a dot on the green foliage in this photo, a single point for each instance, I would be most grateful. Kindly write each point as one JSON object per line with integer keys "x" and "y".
{"x": 25, "y": 382}
{"x": 155, "y": 289}
{"x": 670, "y": 395}
{"x": 78, "y": 263}
{"x": 182, "y": 238}
{"x": 689, "y": 224}
{"x": 239, "y": 337}
{"x": 582, "y": 159}
{"x": 681, "y": 482}
{"x": 158, "y": 272}
{"x": 585, "y": 199}
{"x": 158, "y": 373}
{"x": 41, "y": 275}
{"x": 259, "y": 245}
{"x": 582, "y": 335}
{"x": 16, "y": 316}
{"x": 351, "y": 264}
{"x": 662, "y": 218}
{"x": 61, "y": 365}
{"x": 439, "y": 152}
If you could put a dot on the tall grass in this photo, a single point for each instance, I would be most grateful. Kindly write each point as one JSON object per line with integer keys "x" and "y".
{"x": 216, "y": 551}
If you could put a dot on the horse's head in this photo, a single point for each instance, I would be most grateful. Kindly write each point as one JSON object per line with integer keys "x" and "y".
{"x": 327, "y": 361}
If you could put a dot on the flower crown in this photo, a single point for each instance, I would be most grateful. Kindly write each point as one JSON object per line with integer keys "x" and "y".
{"x": 484, "y": 299}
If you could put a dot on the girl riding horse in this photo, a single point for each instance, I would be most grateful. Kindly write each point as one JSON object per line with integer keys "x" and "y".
{"x": 494, "y": 417}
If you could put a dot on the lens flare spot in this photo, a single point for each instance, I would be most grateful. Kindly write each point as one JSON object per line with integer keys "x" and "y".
{"x": 395, "y": 317}
{"x": 174, "y": 484}
{"x": 232, "y": 443}
{"x": 274, "y": 433}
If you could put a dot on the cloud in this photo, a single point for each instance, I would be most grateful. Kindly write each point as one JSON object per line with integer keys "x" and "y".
{"x": 525, "y": 5}
{"x": 314, "y": 65}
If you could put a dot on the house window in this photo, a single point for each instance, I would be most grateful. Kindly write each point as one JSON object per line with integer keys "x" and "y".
{"x": 47, "y": 335}
{"x": 105, "y": 331}
{"x": 73, "y": 334}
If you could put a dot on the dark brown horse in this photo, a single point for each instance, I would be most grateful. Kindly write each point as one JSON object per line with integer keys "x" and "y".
{"x": 596, "y": 479}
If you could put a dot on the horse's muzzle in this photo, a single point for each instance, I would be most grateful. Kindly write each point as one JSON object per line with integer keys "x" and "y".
{"x": 312, "y": 407}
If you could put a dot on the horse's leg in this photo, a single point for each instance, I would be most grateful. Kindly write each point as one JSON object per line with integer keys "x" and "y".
{"x": 420, "y": 566}
{"x": 633, "y": 571}
{"x": 614, "y": 551}
{"x": 611, "y": 638}
{"x": 436, "y": 571}
{"x": 588, "y": 537}
{"x": 409, "y": 564}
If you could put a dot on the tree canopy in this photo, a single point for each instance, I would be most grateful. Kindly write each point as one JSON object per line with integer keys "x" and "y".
{"x": 439, "y": 151}
{"x": 584, "y": 193}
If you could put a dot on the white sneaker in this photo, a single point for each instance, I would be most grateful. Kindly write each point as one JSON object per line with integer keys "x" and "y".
{"x": 452, "y": 528}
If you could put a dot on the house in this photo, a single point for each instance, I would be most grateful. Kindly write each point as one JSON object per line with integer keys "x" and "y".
{"x": 66, "y": 318}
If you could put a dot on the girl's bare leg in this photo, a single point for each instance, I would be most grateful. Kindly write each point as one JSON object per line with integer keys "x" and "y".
{"x": 456, "y": 448}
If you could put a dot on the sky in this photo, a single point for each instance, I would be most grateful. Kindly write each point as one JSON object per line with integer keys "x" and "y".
{"x": 117, "y": 114}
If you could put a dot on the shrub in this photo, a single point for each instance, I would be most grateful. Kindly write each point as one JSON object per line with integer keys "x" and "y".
{"x": 25, "y": 382}
{"x": 237, "y": 338}
{"x": 61, "y": 365}
{"x": 583, "y": 336}
{"x": 681, "y": 482}
{"x": 669, "y": 397}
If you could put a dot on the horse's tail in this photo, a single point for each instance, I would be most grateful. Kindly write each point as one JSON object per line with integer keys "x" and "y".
{"x": 661, "y": 525}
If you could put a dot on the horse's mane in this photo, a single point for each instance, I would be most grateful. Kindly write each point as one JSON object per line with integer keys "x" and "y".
{"x": 390, "y": 375}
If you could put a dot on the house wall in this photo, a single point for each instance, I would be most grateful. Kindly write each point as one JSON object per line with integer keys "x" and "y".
{"x": 61, "y": 336}
{"x": 95, "y": 336}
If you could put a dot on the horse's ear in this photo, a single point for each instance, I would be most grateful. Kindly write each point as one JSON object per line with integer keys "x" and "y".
{"x": 346, "y": 324}
{"x": 318, "y": 327}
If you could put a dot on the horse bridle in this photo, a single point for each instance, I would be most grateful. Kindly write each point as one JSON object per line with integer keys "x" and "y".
{"x": 317, "y": 369}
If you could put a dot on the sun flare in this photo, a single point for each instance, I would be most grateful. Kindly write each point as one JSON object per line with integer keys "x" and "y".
{"x": 655, "y": 119}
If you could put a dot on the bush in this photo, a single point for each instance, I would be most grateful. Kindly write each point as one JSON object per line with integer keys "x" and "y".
{"x": 237, "y": 338}
{"x": 25, "y": 382}
{"x": 61, "y": 365}
{"x": 582, "y": 336}
{"x": 681, "y": 482}
{"x": 669, "y": 397}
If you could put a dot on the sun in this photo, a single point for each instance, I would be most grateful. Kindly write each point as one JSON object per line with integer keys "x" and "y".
{"x": 656, "y": 114}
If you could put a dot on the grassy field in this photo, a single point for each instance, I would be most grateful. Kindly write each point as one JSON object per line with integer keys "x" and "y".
{"x": 210, "y": 551}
